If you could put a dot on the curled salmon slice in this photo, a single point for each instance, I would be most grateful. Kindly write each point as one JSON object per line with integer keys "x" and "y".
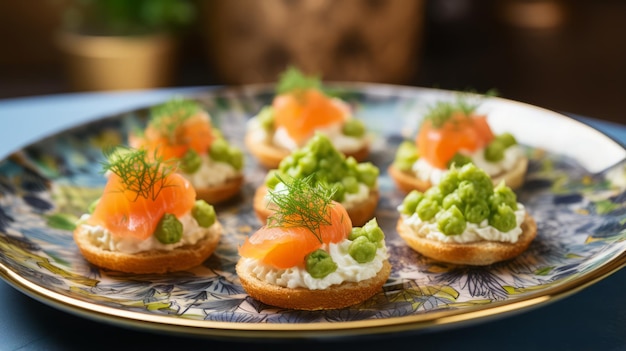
{"x": 286, "y": 247}
{"x": 304, "y": 111}
{"x": 173, "y": 142}
{"x": 125, "y": 212}
{"x": 460, "y": 132}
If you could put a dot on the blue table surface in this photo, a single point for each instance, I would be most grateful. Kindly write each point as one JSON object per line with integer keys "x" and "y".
{"x": 591, "y": 319}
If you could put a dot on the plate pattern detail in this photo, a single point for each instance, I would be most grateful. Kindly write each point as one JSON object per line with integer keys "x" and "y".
{"x": 45, "y": 187}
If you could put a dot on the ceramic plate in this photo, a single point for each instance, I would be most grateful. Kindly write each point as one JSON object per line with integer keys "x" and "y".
{"x": 580, "y": 209}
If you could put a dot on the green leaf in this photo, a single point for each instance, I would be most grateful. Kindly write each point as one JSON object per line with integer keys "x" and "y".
{"x": 294, "y": 80}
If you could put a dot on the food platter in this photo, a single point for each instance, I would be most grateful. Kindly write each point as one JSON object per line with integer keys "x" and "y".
{"x": 580, "y": 208}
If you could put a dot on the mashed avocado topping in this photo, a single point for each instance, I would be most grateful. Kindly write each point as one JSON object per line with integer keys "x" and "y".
{"x": 465, "y": 196}
{"x": 321, "y": 160}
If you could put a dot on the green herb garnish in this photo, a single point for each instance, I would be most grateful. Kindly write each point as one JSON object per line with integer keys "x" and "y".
{"x": 293, "y": 80}
{"x": 301, "y": 204}
{"x": 167, "y": 116}
{"x": 466, "y": 103}
{"x": 140, "y": 174}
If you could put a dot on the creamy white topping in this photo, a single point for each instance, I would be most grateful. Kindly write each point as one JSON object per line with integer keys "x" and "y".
{"x": 473, "y": 232}
{"x": 350, "y": 200}
{"x": 425, "y": 171}
{"x": 104, "y": 239}
{"x": 211, "y": 173}
{"x": 280, "y": 138}
{"x": 348, "y": 270}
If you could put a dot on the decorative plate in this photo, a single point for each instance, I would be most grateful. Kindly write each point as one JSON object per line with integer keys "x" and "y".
{"x": 579, "y": 206}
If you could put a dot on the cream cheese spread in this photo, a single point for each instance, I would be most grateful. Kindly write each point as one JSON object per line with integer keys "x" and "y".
{"x": 211, "y": 173}
{"x": 104, "y": 239}
{"x": 351, "y": 200}
{"x": 348, "y": 270}
{"x": 426, "y": 172}
{"x": 280, "y": 137}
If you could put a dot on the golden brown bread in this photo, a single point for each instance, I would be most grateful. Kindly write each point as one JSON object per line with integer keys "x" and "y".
{"x": 358, "y": 214}
{"x": 219, "y": 193}
{"x": 477, "y": 254}
{"x": 335, "y": 296}
{"x": 154, "y": 261}
{"x": 406, "y": 181}
{"x": 270, "y": 155}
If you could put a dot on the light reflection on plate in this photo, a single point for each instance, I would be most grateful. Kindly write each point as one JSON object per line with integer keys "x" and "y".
{"x": 580, "y": 216}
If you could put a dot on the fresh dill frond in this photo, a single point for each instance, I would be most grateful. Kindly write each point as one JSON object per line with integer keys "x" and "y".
{"x": 301, "y": 204}
{"x": 466, "y": 103}
{"x": 294, "y": 80}
{"x": 167, "y": 116}
{"x": 143, "y": 175}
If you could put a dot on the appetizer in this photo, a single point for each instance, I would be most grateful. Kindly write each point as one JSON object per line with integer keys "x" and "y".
{"x": 298, "y": 111}
{"x": 466, "y": 220}
{"x": 180, "y": 129}
{"x": 454, "y": 133}
{"x": 308, "y": 256}
{"x": 148, "y": 219}
{"x": 355, "y": 184}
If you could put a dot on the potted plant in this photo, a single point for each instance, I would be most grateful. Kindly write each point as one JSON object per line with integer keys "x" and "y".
{"x": 122, "y": 44}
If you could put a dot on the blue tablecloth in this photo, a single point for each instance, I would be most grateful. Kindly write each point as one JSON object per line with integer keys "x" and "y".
{"x": 592, "y": 319}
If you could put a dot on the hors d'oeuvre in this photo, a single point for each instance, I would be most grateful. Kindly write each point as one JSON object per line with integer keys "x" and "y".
{"x": 355, "y": 184}
{"x": 148, "y": 219}
{"x": 466, "y": 220}
{"x": 454, "y": 133}
{"x": 181, "y": 129}
{"x": 308, "y": 256}
{"x": 299, "y": 110}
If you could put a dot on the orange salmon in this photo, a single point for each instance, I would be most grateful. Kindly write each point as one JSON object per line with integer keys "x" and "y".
{"x": 286, "y": 247}
{"x": 173, "y": 140}
{"x": 439, "y": 145}
{"x": 128, "y": 211}
{"x": 302, "y": 112}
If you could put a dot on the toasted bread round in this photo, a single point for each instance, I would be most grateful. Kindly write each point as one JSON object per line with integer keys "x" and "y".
{"x": 406, "y": 181}
{"x": 475, "y": 254}
{"x": 270, "y": 155}
{"x": 154, "y": 261}
{"x": 220, "y": 193}
{"x": 358, "y": 214}
{"x": 336, "y": 296}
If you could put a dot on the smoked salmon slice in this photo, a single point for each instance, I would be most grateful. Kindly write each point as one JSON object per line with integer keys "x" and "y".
{"x": 138, "y": 192}
{"x": 180, "y": 125}
{"x": 303, "y": 111}
{"x": 287, "y": 246}
{"x": 460, "y": 132}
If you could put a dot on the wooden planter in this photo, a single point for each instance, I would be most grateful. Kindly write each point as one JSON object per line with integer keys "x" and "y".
{"x": 118, "y": 63}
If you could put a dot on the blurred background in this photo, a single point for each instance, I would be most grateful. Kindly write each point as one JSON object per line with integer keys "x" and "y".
{"x": 567, "y": 56}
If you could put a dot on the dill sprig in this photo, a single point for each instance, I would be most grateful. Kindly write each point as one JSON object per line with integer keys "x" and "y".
{"x": 294, "y": 80}
{"x": 167, "y": 116}
{"x": 301, "y": 204}
{"x": 143, "y": 175}
{"x": 466, "y": 103}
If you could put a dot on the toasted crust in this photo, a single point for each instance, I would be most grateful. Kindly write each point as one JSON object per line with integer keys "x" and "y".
{"x": 476, "y": 254}
{"x": 406, "y": 181}
{"x": 154, "y": 261}
{"x": 359, "y": 214}
{"x": 336, "y": 296}
{"x": 270, "y": 155}
{"x": 220, "y": 193}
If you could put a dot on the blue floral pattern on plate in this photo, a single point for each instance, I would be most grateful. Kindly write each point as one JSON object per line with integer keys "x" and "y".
{"x": 46, "y": 186}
